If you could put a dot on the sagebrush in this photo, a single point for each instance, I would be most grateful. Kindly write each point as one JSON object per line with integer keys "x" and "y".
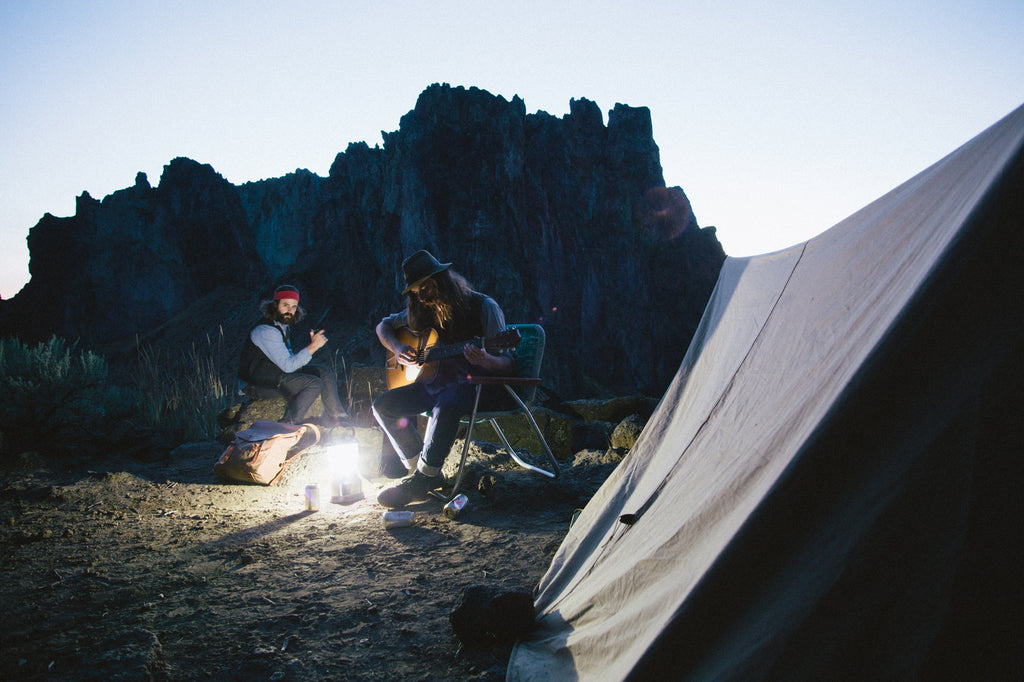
{"x": 53, "y": 393}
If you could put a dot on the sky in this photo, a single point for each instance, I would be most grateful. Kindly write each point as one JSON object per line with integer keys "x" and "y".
{"x": 778, "y": 119}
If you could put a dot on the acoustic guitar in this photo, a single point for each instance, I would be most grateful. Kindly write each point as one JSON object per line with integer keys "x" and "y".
{"x": 429, "y": 353}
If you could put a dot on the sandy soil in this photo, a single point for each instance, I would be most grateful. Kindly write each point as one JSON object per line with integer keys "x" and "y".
{"x": 124, "y": 569}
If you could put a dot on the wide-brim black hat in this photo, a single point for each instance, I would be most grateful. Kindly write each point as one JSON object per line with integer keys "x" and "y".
{"x": 420, "y": 266}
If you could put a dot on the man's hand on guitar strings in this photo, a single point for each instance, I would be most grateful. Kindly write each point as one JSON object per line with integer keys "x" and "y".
{"x": 407, "y": 355}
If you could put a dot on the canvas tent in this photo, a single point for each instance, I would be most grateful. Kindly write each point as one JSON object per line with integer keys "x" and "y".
{"x": 831, "y": 486}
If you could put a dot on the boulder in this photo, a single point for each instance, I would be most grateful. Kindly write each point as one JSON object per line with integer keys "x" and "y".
{"x": 627, "y": 431}
{"x": 557, "y": 429}
{"x": 240, "y": 416}
{"x": 614, "y": 409}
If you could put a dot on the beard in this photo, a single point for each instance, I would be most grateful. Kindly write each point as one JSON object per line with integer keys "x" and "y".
{"x": 284, "y": 318}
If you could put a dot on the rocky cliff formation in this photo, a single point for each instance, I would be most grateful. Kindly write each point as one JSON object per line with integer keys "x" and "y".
{"x": 565, "y": 221}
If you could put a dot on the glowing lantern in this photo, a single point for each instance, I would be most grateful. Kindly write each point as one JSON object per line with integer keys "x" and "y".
{"x": 346, "y": 484}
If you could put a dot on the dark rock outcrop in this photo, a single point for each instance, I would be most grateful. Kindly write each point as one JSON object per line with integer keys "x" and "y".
{"x": 122, "y": 267}
{"x": 565, "y": 221}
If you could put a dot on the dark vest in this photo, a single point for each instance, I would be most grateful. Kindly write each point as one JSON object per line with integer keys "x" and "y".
{"x": 254, "y": 367}
{"x": 469, "y": 326}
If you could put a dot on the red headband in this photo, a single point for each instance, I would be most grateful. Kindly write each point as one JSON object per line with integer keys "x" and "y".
{"x": 287, "y": 293}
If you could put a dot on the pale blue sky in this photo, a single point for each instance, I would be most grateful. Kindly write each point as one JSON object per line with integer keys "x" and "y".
{"x": 778, "y": 119}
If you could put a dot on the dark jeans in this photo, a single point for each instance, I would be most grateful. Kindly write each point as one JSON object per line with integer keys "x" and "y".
{"x": 396, "y": 411}
{"x": 301, "y": 388}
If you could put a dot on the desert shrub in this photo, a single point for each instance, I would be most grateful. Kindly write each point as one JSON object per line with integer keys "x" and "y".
{"x": 185, "y": 391}
{"x": 53, "y": 394}
{"x": 51, "y": 389}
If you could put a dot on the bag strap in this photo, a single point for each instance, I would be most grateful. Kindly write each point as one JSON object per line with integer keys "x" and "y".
{"x": 316, "y": 436}
{"x": 300, "y": 446}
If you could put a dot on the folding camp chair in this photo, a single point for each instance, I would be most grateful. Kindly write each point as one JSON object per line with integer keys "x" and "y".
{"x": 522, "y": 388}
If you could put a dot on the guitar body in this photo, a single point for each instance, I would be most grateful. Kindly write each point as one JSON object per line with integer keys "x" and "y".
{"x": 398, "y": 374}
{"x": 430, "y": 354}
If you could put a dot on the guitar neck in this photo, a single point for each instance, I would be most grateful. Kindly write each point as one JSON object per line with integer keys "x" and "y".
{"x": 399, "y": 374}
{"x": 435, "y": 353}
{"x": 503, "y": 341}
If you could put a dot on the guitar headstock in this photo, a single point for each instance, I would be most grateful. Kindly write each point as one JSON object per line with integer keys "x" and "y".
{"x": 506, "y": 340}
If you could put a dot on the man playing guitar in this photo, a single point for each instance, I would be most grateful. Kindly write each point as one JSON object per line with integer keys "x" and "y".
{"x": 440, "y": 304}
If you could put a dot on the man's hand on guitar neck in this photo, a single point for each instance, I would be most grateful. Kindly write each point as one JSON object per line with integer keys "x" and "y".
{"x": 481, "y": 358}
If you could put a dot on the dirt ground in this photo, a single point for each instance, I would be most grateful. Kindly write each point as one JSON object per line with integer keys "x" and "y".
{"x": 124, "y": 569}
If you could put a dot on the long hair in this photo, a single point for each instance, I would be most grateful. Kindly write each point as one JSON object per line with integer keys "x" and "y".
{"x": 453, "y": 299}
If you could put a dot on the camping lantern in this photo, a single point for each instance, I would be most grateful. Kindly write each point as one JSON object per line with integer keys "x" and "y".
{"x": 346, "y": 484}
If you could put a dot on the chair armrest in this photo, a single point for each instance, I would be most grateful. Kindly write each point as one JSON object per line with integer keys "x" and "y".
{"x": 506, "y": 381}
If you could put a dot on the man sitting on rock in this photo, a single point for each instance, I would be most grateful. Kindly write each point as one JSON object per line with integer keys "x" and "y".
{"x": 269, "y": 369}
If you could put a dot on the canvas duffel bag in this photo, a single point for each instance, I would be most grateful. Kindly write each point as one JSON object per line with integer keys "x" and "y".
{"x": 260, "y": 453}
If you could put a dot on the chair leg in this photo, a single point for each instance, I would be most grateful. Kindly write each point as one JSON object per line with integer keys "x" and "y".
{"x": 465, "y": 445}
{"x": 555, "y": 469}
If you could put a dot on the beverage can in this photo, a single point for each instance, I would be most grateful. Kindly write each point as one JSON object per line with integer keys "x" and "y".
{"x": 454, "y": 506}
{"x": 398, "y": 519}
{"x": 312, "y": 497}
